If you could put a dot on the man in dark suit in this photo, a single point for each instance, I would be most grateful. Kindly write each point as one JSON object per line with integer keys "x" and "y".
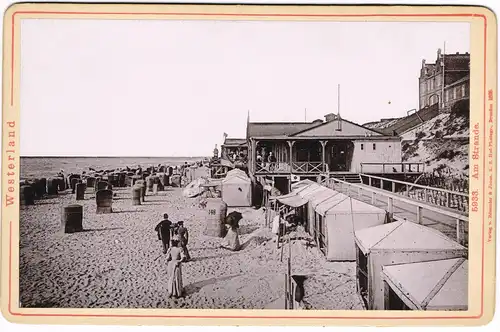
{"x": 163, "y": 230}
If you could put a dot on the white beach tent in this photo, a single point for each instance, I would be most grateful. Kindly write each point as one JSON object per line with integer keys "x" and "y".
{"x": 434, "y": 285}
{"x": 336, "y": 218}
{"x": 396, "y": 243}
{"x": 301, "y": 184}
{"x": 237, "y": 189}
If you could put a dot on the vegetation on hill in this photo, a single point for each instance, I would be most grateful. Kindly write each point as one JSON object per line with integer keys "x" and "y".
{"x": 442, "y": 143}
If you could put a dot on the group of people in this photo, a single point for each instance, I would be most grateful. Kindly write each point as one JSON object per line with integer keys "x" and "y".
{"x": 174, "y": 238}
{"x": 266, "y": 160}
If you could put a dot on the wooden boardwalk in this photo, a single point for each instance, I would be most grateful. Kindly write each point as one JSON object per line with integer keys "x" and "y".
{"x": 402, "y": 210}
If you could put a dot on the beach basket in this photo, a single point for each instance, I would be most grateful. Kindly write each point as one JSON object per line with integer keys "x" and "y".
{"x": 216, "y": 211}
{"x": 136, "y": 194}
{"x": 27, "y": 195}
{"x": 52, "y": 186}
{"x": 104, "y": 201}
{"x": 80, "y": 191}
{"x": 71, "y": 219}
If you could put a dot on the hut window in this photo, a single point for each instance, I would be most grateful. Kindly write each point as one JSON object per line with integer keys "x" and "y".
{"x": 374, "y": 146}
{"x": 362, "y": 146}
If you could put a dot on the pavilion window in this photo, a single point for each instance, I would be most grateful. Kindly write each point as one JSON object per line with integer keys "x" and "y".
{"x": 374, "y": 146}
{"x": 362, "y": 146}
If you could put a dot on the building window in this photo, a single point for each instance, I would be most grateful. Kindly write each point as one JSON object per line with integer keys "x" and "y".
{"x": 362, "y": 146}
{"x": 438, "y": 80}
{"x": 422, "y": 86}
{"x": 374, "y": 146}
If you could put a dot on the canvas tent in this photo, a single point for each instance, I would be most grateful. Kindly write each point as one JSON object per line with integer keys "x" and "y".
{"x": 335, "y": 219}
{"x": 396, "y": 243}
{"x": 301, "y": 184}
{"x": 434, "y": 285}
{"x": 237, "y": 189}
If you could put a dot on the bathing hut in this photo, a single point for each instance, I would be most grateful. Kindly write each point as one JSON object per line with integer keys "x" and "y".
{"x": 237, "y": 189}
{"x": 434, "y": 285}
{"x": 336, "y": 218}
{"x": 396, "y": 243}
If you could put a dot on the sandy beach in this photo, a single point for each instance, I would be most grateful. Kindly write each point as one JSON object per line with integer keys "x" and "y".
{"x": 117, "y": 261}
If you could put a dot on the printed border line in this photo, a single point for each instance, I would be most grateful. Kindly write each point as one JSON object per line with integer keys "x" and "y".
{"x": 256, "y": 15}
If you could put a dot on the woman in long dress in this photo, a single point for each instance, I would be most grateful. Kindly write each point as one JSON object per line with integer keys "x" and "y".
{"x": 174, "y": 270}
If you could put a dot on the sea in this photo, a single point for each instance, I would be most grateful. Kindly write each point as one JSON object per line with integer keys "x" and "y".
{"x": 33, "y": 167}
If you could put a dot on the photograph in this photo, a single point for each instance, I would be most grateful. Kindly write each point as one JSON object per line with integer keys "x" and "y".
{"x": 314, "y": 163}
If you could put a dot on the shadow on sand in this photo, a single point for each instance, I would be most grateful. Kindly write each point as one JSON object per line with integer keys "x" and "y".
{"x": 197, "y": 286}
{"x": 101, "y": 229}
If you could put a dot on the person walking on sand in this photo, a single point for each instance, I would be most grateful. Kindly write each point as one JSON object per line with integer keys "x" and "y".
{"x": 183, "y": 235}
{"x": 174, "y": 270}
{"x": 163, "y": 230}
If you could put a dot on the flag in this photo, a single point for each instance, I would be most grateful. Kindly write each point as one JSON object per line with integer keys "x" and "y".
{"x": 225, "y": 135}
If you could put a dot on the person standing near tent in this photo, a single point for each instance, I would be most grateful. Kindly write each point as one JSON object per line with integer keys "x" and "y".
{"x": 183, "y": 235}
{"x": 163, "y": 230}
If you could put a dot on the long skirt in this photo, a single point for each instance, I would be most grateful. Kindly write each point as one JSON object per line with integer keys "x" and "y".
{"x": 232, "y": 240}
{"x": 174, "y": 286}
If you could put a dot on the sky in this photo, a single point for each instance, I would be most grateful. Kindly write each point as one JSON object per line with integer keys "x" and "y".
{"x": 172, "y": 88}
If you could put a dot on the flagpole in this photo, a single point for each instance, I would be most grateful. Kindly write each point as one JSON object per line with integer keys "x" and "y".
{"x": 442, "y": 84}
{"x": 305, "y": 114}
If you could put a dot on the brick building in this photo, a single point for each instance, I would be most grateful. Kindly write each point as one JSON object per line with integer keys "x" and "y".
{"x": 454, "y": 71}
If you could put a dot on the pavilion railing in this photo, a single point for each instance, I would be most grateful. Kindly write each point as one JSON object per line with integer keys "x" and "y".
{"x": 403, "y": 167}
{"x": 299, "y": 167}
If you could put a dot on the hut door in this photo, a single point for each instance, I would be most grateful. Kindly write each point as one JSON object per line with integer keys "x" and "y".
{"x": 338, "y": 159}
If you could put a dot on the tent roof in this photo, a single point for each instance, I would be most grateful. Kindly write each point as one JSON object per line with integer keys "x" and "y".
{"x": 432, "y": 285}
{"x": 309, "y": 189}
{"x": 321, "y": 196}
{"x": 292, "y": 199}
{"x": 355, "y": 206}
{"x": 236, "y": 179}
{"x": 315, "y": 191}
{"x": 302, "y": 184}
{"x": 403, "y": 235}
{"x": 236, "y": 171}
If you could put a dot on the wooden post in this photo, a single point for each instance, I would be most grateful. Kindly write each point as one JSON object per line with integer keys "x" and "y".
{"x": 323, "y": 155}
{"x": 419, "y": 215}
{"x": 286, "y": 291}
{"x": 390, "y": 207}
{"x": 381, "y": 184}
{"x": 407, "y": 191}
{"x": 394, "y": 187}
{"x": 290, "y": 144}
{"x": 383, "y": 167}
{"x": 359, "y": 192}
{"x": 460, "y": 232}
{"x": 369, "y": 180}
{"x": 425, "y": 195}
{"x": 448, "y": 199}
{"x": 373, "y": 197}
{"x": 290, "y": 272}
{"x": 254, "y": 156}
{"x": 361, "y": 167}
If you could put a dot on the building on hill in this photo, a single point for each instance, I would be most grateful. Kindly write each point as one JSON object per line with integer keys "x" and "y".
{"x": 283, "y": 150}
{"x": 444, "y": 82}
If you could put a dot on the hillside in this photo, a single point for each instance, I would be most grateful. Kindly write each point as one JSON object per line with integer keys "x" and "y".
{"x": 442, "y": 143}
{"x": 382, "y": 124}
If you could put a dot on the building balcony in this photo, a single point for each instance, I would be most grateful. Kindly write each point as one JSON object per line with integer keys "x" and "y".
{"x": 294, "y": 167}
